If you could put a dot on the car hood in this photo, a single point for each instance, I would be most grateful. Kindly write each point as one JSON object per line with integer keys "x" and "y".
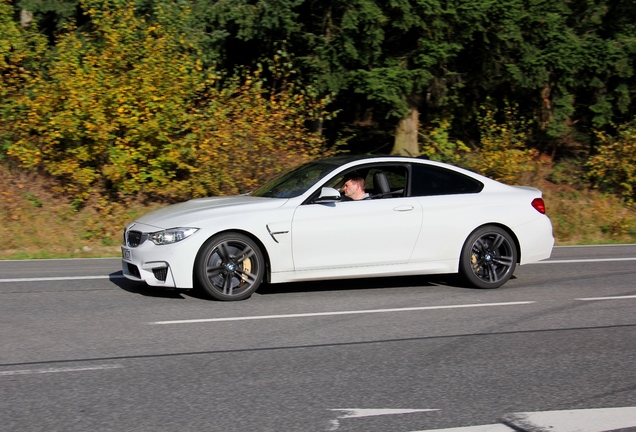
{"x": 189, "y": 213}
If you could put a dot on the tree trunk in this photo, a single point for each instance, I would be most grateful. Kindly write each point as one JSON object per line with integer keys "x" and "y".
{"x": 545, "y": 111}
{"x": 26, "y": 17}
{"x": 406, "y": 135}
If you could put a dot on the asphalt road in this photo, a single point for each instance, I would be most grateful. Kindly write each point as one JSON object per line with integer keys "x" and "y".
{"x": 83, "y": 349}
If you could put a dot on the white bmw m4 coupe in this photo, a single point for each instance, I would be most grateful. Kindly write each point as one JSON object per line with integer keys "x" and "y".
{"x": 418, "y": 217}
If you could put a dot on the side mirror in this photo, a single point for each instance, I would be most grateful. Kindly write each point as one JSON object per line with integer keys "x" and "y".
{"x": 327, "y": 195}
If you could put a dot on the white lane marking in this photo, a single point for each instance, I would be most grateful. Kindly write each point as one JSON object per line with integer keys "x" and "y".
{"x": 362, "y": 412}
{"x": 481, "y": 428}
{"x": 608, "y": 298}
{"x": 595, "y": 246}
{"x": 582, "y": 420}
{"x": 358, "y": 412}
{"x": 61, "y": 278}
{"x": 592, "y": 260}
{"x": 349, "y": 312}
{"x": 58, "y": 370}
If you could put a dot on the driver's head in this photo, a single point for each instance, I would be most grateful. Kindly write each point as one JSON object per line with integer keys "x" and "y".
{"x": 353, "y": 186}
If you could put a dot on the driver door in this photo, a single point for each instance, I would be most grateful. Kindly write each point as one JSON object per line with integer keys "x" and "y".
{"x": 355, "y": 233}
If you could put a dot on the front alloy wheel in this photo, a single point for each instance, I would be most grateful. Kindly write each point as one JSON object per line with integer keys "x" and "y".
{"x": 230, "y": 267}
{"x": 489, "y": 257}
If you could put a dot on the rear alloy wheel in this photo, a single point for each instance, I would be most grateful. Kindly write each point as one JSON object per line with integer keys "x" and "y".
{"x": 230, "y": 267}
{"x": 489, "y": 257}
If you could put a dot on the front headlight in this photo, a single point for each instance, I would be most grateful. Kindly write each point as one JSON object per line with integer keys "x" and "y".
{"x": 171, "y": 235}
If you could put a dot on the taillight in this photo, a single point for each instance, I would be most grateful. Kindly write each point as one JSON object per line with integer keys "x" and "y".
{"x": 539, "y": 205}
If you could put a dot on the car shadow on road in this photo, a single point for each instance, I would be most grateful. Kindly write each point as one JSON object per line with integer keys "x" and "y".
{"x": 370, "y": 283}
{"x": 142, "y": 288}
{"x": 363, "y": 284}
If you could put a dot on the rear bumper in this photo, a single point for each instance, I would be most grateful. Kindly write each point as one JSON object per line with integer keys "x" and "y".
{"x": 536, "y": 239}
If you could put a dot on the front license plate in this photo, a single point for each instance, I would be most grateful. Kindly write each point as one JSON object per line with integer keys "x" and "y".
{"x": 126, "y": 254}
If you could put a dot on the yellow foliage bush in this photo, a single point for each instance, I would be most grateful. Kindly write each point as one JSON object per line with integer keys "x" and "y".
{"x": 21, "y": 49}
{"x": 243, "y": 135}
{"x": 613, "y": 167}
{"x": 437, "y": 145}
{"x": 503, "y": 154}
{"x": 128, "y": 107}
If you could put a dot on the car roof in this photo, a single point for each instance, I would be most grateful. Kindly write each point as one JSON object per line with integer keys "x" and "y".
{"x": 344, "y": 159}
{"x": 354, "y": 160}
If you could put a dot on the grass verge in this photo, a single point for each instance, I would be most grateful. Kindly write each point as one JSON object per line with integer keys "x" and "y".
{"x": 36, "y": 224}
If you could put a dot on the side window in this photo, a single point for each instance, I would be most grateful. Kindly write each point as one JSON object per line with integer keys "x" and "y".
{"x": 431, "y": 180}
{"x": 374, "y": 185}
{"x": 393, "y": 187}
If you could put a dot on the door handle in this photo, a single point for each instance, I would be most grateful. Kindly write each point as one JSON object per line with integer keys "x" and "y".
{"x": 403, "y": 208}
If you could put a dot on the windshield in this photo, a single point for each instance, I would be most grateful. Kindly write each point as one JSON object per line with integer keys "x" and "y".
{"x": 295, "y": 182}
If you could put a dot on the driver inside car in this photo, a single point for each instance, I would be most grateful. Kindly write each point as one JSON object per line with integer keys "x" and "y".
{"x": 353, "y": 187}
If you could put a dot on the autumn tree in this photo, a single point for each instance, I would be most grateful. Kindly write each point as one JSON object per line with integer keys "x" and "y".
{"x": 503, "y": 153}
{"x": 406, "y": 65}
{"x": 128, "y": 107}
{"x": 21, "y": 50}
{"x": 613, "y": 166}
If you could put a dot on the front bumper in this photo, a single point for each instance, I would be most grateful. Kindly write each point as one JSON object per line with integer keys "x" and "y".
{"x": 169, "y": 266}
{"x": 155, "y": 273}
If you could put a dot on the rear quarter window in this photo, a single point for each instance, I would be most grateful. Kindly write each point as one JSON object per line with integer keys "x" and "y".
{"x": 427, "y": 180}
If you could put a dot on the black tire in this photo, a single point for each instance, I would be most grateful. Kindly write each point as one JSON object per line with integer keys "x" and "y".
{"x": 230, "y": 267}
{"x": 489, "y": 257}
